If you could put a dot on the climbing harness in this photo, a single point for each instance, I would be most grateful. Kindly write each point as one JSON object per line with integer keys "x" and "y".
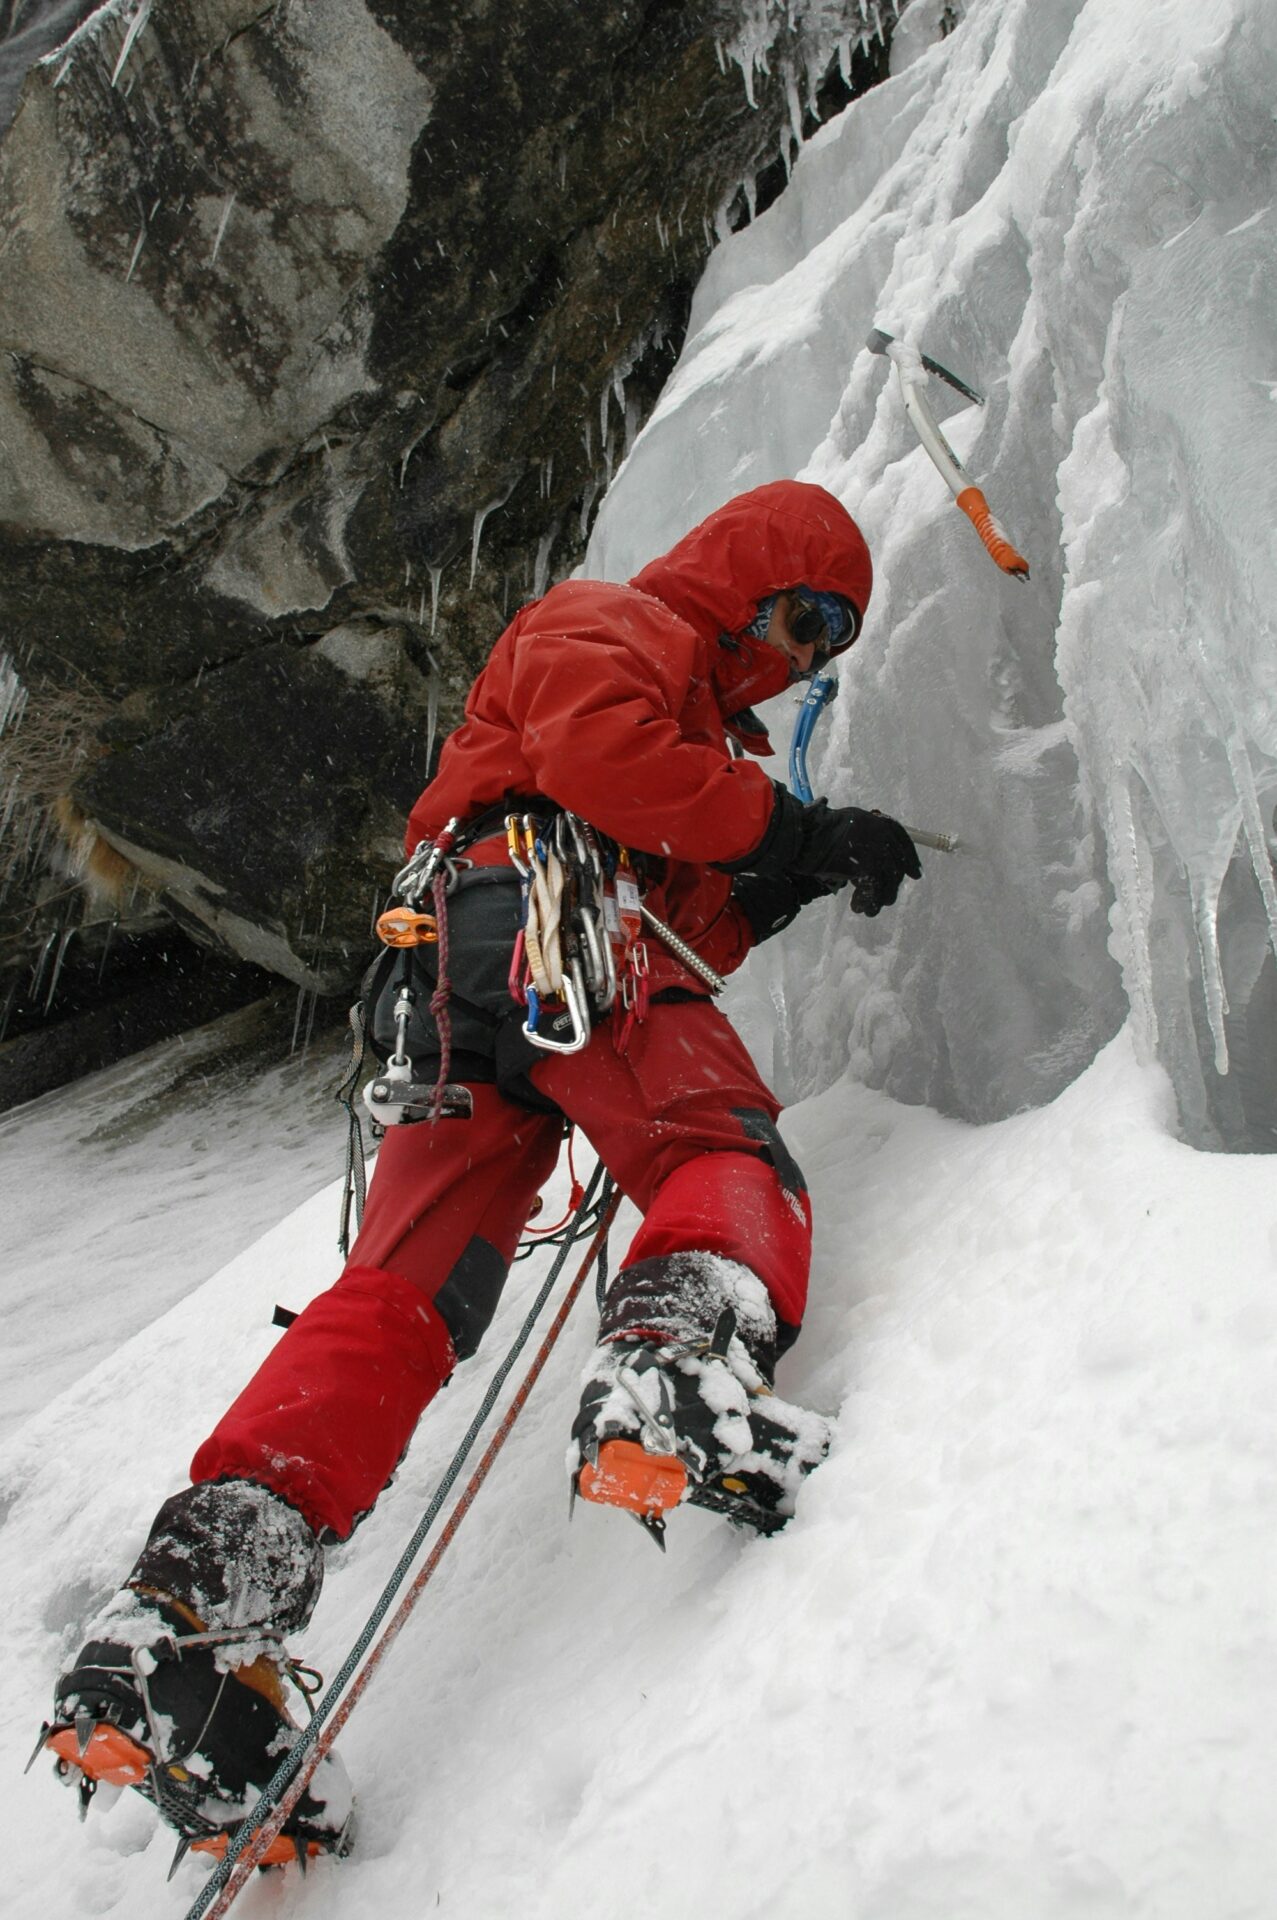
{"x": 253, "y": 1838}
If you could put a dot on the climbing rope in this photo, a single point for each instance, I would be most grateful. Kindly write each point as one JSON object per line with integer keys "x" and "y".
{"x": 290, "y": 1779}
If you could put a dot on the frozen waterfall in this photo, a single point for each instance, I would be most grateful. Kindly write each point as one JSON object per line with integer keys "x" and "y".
{"x": 1073, "y": 205}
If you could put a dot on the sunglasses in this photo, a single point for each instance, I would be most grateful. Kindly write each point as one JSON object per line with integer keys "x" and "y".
{"x": 825, "y": 621}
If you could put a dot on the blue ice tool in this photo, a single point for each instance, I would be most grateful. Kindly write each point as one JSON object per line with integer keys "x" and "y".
{"x": 821, "y": 689}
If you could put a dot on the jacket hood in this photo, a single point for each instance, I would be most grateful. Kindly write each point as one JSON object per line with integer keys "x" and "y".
{"x": 786, "y": 534}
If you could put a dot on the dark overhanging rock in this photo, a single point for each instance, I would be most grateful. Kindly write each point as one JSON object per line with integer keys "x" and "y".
{"x": 328, "y": 326}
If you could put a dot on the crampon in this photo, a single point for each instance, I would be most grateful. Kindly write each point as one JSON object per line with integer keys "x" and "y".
{"x": 661, "y": 1425}
{"x": 155, "y": 1703}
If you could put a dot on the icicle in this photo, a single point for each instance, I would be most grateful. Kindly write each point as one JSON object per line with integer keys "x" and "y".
{"x": 297, "y": 1019}
{"x": 436, "y": 575}
{"x": 563, "y": 169}
{"x": 37, "y": 974}
{"x": 221, "y": 229}
{"x": 111, "y": 925}
{"x": 10, "y": 801}
{"x": 136, "y": 251}
{"x": 541, "y": 572}
{"x": 432, "y": 714}
{"x": 477, "y": 535}
{"x": 589, "y": 443}
{"x": 795, "y": 106}
{"x": 587, "y": 502}
{"x": 136, "y": 25}
{"x": 1205, "y": 899}
{"x": 604, "y": 398}
{"x": 68, "y": 936}
{"x": 13, "y": 695}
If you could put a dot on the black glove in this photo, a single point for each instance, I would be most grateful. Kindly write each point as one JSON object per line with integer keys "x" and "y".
{"x": 769, "y": 901}
{"x": 871, "y": 850}
{"x": 835, "y": 846}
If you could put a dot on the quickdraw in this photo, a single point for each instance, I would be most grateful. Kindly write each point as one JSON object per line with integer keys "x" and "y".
{"x": 578, "y": 951}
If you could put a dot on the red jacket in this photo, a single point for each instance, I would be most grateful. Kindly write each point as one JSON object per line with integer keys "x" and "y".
{"x": 615, "y": 701}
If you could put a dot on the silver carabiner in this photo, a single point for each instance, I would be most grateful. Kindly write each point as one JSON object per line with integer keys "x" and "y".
{"x": 573, "y": 992}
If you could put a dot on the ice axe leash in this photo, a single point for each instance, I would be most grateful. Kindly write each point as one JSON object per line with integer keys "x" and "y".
{"x": 912, "y": 368}
{"x": 291, "y": 1777}
{"x": 821, "y": 689}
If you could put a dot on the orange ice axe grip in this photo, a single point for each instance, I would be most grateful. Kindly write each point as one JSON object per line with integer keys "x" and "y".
{"x": 912, "y": 368}
{"x": 999, "y": 548}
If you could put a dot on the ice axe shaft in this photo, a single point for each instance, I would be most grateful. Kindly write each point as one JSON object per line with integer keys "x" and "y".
{"x": 912, "y": 368}
{"x": 942, "y": 842}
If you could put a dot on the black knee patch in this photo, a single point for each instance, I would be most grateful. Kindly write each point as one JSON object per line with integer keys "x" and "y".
{"x": 756, "y": 1125}
{"x": 468, "y": 1298}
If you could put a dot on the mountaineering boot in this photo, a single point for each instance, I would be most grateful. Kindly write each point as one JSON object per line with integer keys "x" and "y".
{"x": 180, "y": 1688}
{"x": 677, "y": 1405}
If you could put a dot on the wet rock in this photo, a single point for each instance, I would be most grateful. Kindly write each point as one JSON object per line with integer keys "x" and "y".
{"x": 326, "y": 326}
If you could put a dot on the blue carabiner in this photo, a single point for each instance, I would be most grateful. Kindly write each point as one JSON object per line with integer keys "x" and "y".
{"x": 820, "y": 691}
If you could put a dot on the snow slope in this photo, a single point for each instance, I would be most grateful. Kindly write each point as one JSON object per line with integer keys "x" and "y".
{"x": 1015, "y": 1657}
{"x": 128, "y": 1189}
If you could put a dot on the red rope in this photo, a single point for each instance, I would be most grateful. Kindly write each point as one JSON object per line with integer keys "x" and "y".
{"x": 574, "y": 1200}
{"x": 271, "y": 1826}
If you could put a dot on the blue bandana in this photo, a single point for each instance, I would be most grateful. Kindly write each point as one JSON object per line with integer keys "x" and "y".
{"x": 762, "y": 619}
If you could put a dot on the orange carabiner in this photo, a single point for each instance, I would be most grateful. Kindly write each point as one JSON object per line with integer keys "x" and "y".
{"x": 400, "y": 927}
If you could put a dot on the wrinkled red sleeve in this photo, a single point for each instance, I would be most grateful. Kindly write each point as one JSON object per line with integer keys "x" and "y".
{"x": 618, "y": 726}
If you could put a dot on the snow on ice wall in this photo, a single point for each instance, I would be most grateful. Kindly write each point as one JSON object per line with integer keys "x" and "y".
{"x": 1072, "y": 205}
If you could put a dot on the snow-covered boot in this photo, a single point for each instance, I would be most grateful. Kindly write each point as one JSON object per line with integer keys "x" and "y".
{"x": 180, "y": 1688}
{"x": 677, "y": 1402}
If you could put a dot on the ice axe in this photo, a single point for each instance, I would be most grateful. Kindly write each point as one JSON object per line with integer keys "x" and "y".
{"x": 912, "y": 368}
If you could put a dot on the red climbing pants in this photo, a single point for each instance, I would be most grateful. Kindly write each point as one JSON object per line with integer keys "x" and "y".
{"x": 686, "y": 1128}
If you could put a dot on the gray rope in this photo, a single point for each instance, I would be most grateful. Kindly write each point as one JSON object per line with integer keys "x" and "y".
{"x": 290, "y": 1765}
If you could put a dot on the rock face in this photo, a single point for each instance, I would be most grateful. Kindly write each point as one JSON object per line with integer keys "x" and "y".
{"x": 326, "y": 324}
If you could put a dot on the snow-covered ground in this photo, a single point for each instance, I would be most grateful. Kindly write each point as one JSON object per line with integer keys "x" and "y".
{"x": 125, "y": 1191}
{"x": 1015, "y": 1658}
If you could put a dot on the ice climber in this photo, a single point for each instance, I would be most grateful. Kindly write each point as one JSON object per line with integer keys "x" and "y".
{"x": 605, "y": 716}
